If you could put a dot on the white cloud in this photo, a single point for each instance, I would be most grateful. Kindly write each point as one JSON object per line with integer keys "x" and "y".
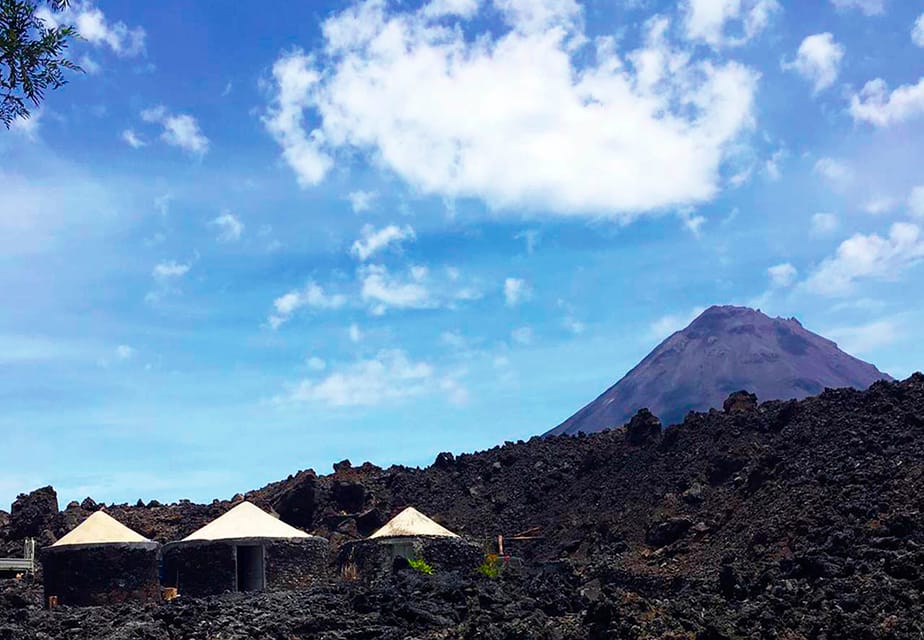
{"x": 707, "y": 20}
{"x": 372, "y": 241}
{"x": 93, "y": 27}
{"x": 89, "y": 65}
{"x": 515, "y": 291}
{"x": 557, "y": 135}
{"x": 362, "y": 200}
{"x": 693, "y": 223}
{"x": 230, "y": 227}
{"x": 354, "y": 332}
{"x": 917, "y": 31}
{"x": 384, "y": 290}
{"x": 132, "y": 139}
{"x": 311, "y": 296}
{"x": 879, "y": 205}
{"x": 874, "y": 103}
{"x": 522, "y": 335}
{"x": 772, "y": 165}
{"x": 782, "y": 275}
{"x": 316, "y": 364}
{"x": 27, "y": 127}
{"x": 824, "y": 223}
{"x": 389, "y": 377}
{"x": 455, "y": 392}
{"x": 818, "y": 60}
{"x": 124, "y": 352}
{"x": 442, "y": 8}
{"x": 862, "y": 339}
{"x": 668, "y": 324}
{"x": 170, "y": 269}
{"x": 916, "y": 202}
{"x": 868, "y": 257}
{"x": 867, "y": 7}
{"x": 833, "y": 170}
{"x": 573, "y": 325}
{"x": 531, "y": 237}
{"x": 181, "y": 130}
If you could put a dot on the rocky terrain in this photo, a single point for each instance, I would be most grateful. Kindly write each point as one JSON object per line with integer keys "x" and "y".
{"x": 790, "y": 519}
{"x": 723, "y": 350}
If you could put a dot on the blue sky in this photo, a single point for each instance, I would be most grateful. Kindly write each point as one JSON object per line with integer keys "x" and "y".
{"x": 251, "y": 241}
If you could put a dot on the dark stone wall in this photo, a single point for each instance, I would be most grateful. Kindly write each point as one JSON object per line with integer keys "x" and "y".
{"x": 91, "y": 575}
{"x": 374, "y": 559}
{"x": 199, "y": 569}
{"x": 291, "y": 564}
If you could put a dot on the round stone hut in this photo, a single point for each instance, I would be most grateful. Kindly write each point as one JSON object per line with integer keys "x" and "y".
{"x": 246, "y": 549}
{"x": 409, "y": 536}
{"x": 100, "y": 562}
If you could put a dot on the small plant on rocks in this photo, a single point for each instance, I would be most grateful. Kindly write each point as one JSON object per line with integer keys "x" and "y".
{"x": 491, "y": 567}
{"x": 421, "y": 565}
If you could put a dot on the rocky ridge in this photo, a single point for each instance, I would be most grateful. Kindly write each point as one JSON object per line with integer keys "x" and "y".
{"x": 786, "y": 519}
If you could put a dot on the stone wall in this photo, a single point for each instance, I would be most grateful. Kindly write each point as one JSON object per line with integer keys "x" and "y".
{"x": 202, "y": 568}
{"x": 374, "y": 559}
{"x": 91, "y": 575}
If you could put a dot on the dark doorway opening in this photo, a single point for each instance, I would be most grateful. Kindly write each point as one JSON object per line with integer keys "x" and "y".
{"x": 250, "y": 569}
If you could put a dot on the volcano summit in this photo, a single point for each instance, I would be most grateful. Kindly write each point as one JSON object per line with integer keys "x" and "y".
{"x": 723, "y": 350}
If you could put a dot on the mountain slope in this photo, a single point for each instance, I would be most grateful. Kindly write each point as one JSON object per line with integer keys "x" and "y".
{"x": 725, "y": 349}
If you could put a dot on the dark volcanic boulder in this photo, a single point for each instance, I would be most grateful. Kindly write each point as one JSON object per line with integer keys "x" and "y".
{"x": 34, "y": 513}
{"x": 740, "y": 401}
{"x": 663, "y": 533}
{"x": 643, "y": 427}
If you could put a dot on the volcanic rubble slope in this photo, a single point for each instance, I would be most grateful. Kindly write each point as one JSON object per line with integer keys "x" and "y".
{"x": 797, "y": 519}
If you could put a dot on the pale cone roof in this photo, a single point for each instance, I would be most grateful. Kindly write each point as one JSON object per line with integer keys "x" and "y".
{"x": 100, "y": 528}
{"x": 246, "y": 520}
{"x": 410, "y": 523}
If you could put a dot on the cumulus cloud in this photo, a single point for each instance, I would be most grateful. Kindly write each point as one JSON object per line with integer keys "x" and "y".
{"x": 870, "y": 256}
{"x": 824, "y": 223}
{"x": 708, "y": 20}
{"x": 867, "y": 7}
{"x": 169, "y": 270}
{"x": 372, "y": 241}
{"x": 442, "y": 8}
{"x": 362, "y": 200}
{"x": 355, "y": 333}
{"x": 124, "y": 352}
{"x": 917, "y": 31}
{"x": 569, "y": 128}
{"x": 877, "y": 106}
{"x": 818, "y": 60}
{"x": 515, "y": 291}
{"x": 833, "y": 170}
{"x": 229, "y": 226}
{"x": 316, "y": 364}
{"x": 916, "y": 202}
{"x": 311, "y": 296}
{"x": 782, "y": 275}
{"x": 879, "y": 205}
{"x": 180, "y": 130}
{"x": 95, "y": 28}
{"x": 132, "y": 139}
{"x": 385, "y": 290}
{"x": 522, "y": 335}
{"x": 391, "y": 376}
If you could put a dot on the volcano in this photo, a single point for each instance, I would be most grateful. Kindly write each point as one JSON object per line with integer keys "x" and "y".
{"x": 723, "y": 350}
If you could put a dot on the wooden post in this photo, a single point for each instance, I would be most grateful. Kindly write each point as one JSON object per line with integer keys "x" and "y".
{"x": 500, "y": 545}
{"x": 52, "y": 602}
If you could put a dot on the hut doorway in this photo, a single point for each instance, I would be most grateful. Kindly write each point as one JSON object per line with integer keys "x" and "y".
{"x": 250, "y": 568}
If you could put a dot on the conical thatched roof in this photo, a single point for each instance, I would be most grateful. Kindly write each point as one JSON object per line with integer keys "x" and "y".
{"x": 411, "y": 523}
{"x": 246, "y": 520}
{"x": 100, "y": 528}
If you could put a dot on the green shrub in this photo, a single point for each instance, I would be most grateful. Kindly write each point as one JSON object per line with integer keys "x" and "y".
{"x": 421, "y": 565}
{"x": 491, "y": 567}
